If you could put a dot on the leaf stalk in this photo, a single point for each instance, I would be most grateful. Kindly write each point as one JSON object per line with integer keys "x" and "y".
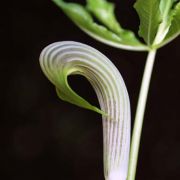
{"x": 138, "y": 123}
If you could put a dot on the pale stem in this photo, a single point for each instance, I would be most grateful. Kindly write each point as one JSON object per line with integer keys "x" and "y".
{"x": 140, "y": 115}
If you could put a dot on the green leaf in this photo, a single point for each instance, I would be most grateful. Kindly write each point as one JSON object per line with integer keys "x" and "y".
{"x": 167, "y": 13}
{"x": 174, "y": 29}
{"x": 150, "y": 18}
{"x": 104, "y": 12}
{"x": 165, "y": 7}
{"x": 83, "y": 19}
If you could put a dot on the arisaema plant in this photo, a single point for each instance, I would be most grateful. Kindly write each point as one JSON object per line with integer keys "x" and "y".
{"x": 159, "y": 25}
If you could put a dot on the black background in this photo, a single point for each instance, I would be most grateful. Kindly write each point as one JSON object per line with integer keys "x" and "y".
{"x": 42, "y": 137}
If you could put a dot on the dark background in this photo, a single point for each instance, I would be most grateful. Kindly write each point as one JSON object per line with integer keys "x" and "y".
{"x": 42, "y": 137}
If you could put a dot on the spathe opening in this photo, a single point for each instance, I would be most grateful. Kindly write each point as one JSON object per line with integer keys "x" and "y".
{"x": 83, "y": 88}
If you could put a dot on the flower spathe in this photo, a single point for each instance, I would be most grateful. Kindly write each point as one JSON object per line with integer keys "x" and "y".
{"x": 61, "y": 59}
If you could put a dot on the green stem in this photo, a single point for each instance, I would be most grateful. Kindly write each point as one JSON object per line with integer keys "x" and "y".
{"x": 140, "y": 115}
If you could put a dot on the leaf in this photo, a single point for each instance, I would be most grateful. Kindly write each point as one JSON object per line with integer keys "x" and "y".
{"x": 61, "y": 59}
{"x": 174, "y": 29}
{"x": 83, "y": 19}
{"x": 104, "y": 12}
{"x": 150, "y": 18}
{"x": 165, "y": 7}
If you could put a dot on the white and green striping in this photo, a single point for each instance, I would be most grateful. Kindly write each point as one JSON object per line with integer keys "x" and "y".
{"x": 61, "y": 59}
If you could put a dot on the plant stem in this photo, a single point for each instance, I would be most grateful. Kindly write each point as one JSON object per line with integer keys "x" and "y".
{"x": 140, "y": 115}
